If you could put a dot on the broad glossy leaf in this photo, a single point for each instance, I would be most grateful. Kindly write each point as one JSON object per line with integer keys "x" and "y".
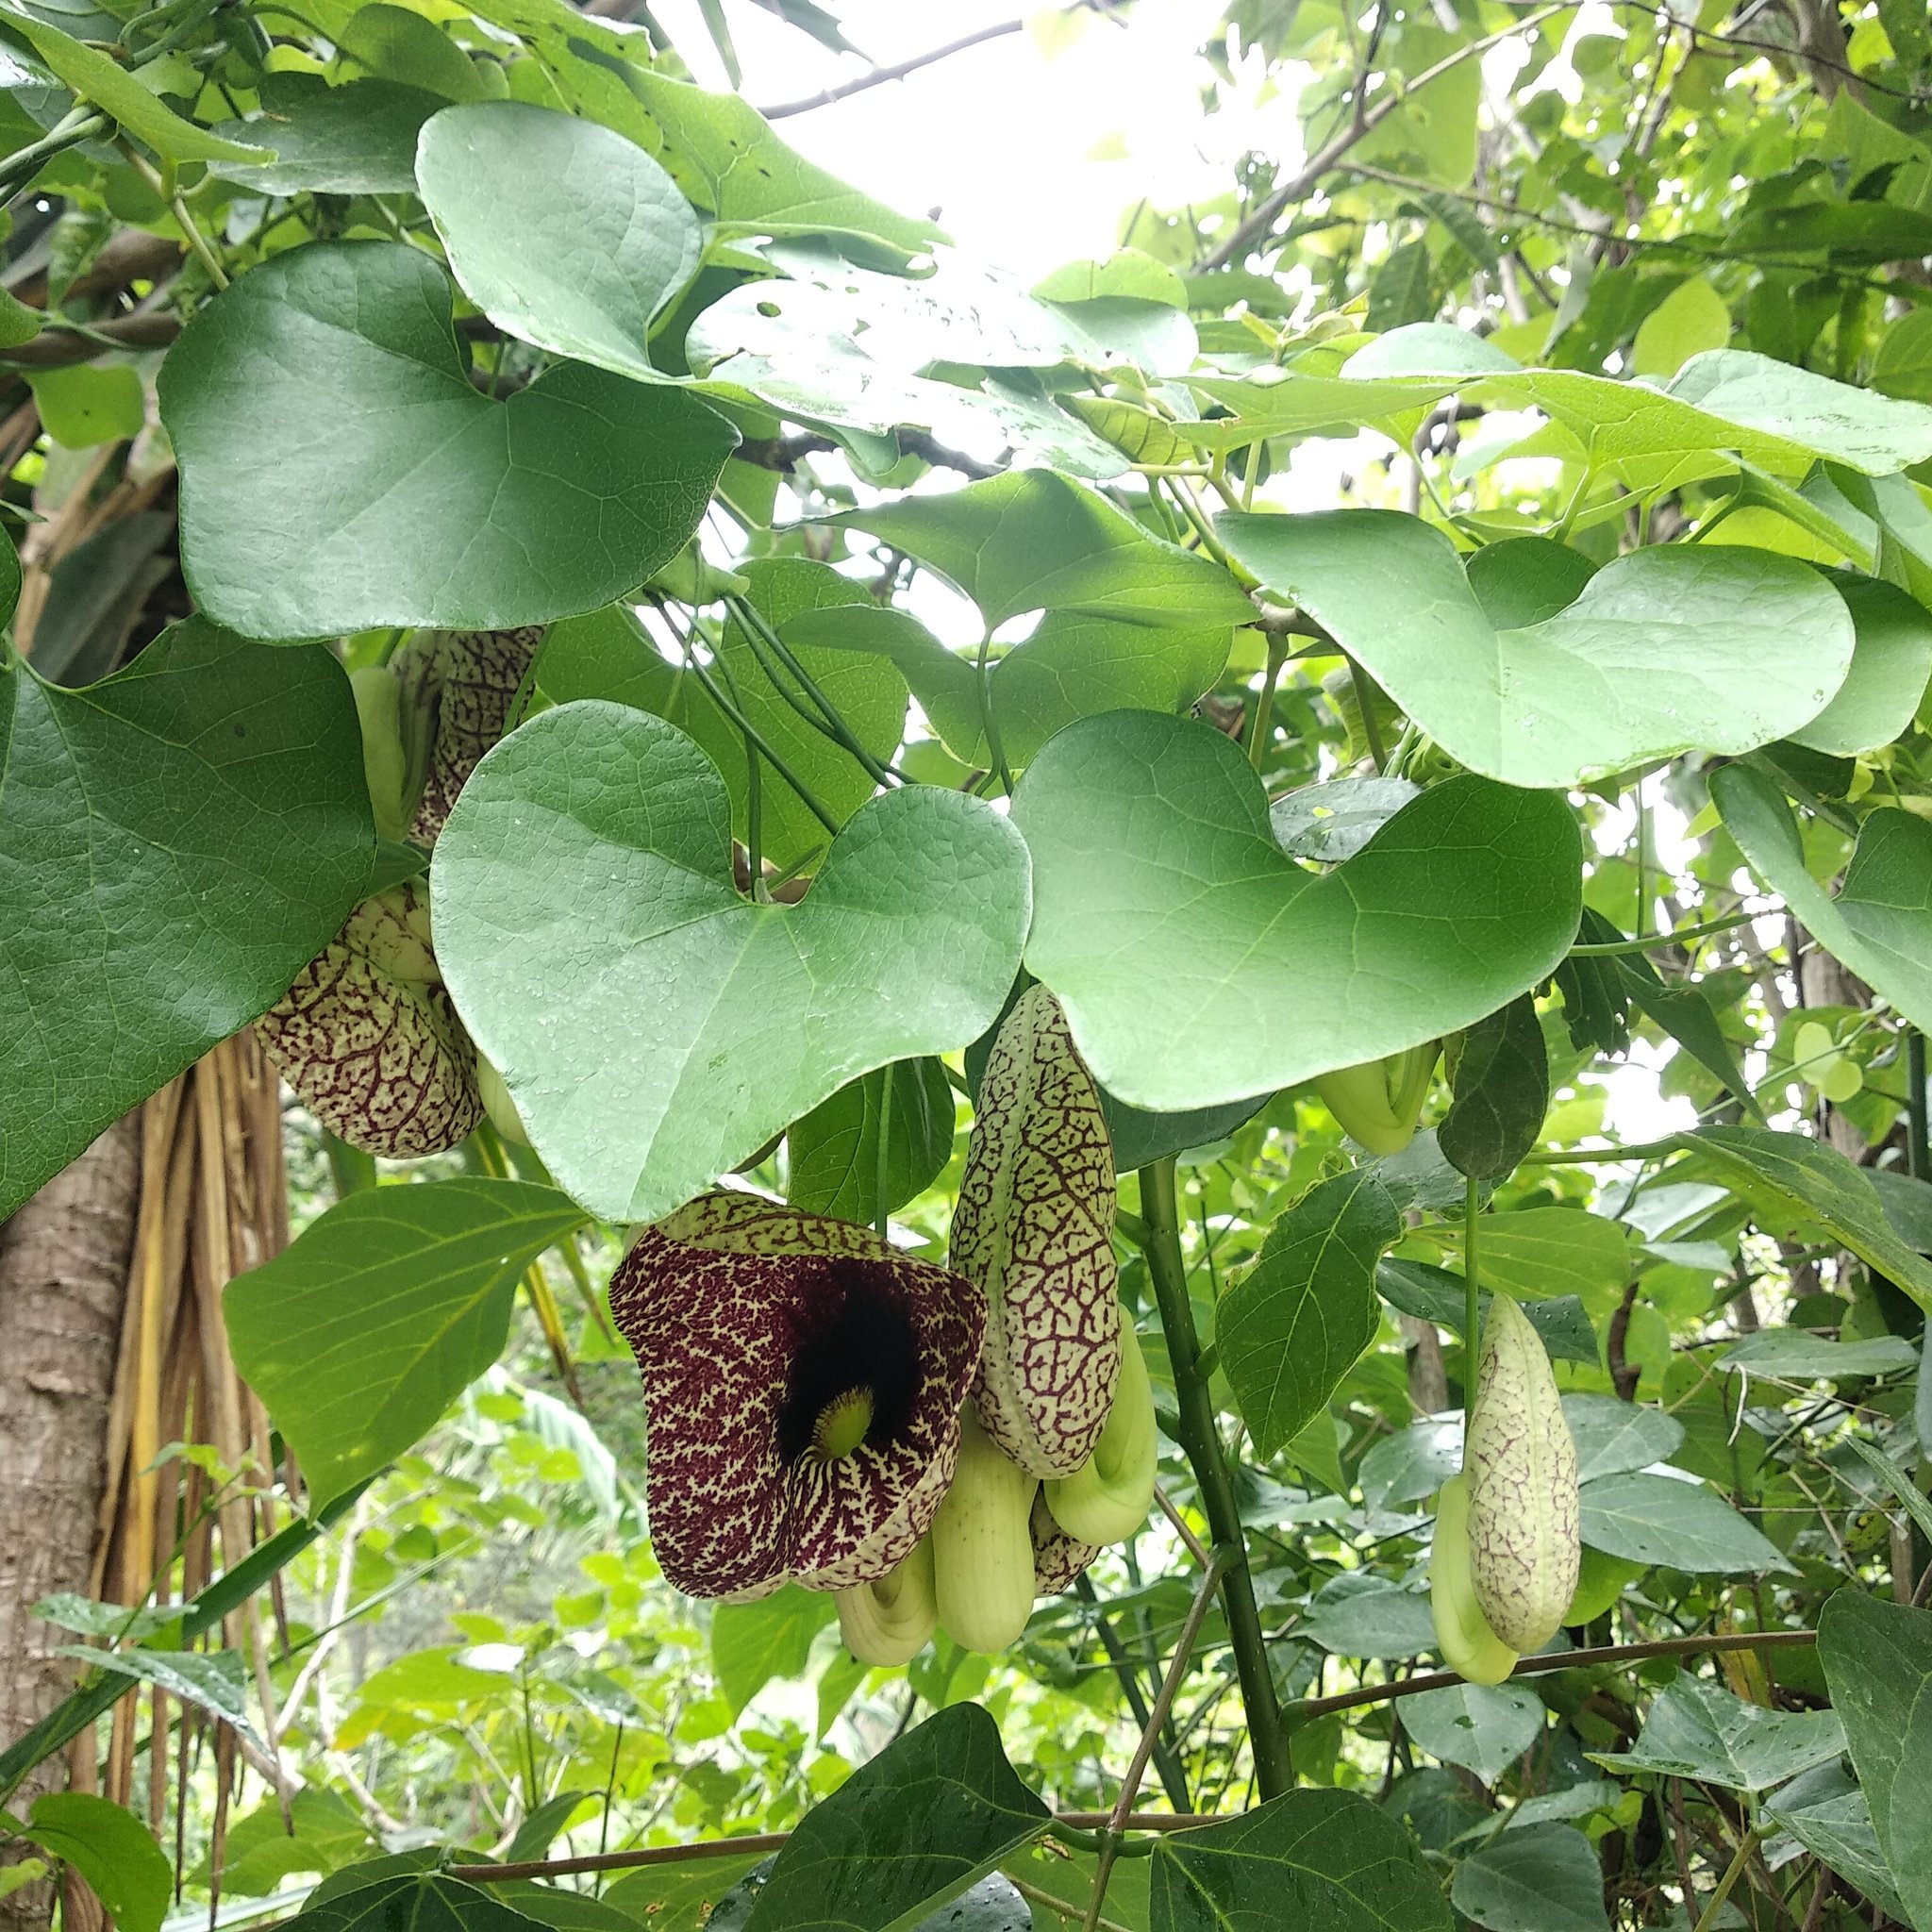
{"x": 1140, "y": 1138}
{"x": 607, "y": 654}
{"x": 832, "y": 1155}
{"x": 1294, "y": 1325}
{"x": 102, "y": 81}
{"x": 1817, "y": 1184}
{"x": 591, "y": 849}
{"x": 363, "y": 1331}
{"x": 681, "y": 1897}
{"x": 1523, "y": 580}
{"x": 399, "y": 44}
{"x": 723, "y": 154}
{"x": 427, "y": 502}
{"x": 1434, "y": 1294}
{"x": 211, "y": 1680}
{"x": 178, "y": 841}
{"x": 1880, "y": 922}
{"x": 1698, "y": 1729}
{"x": 1197, "y": 962}
{"x": 1534, "y": 1253}
{"x": 1665, "y": 650}
{"x": 1612, "y": 1436}
{"x": 1877, "y": 1661}
{"x": 1725, "y": 404}
{"x": 1360, "y": 1614}
{"x": 1827, "y": 1812}
{"x": 1034, "y": 540}
{"x": 1537, "y": 1878}
{"x": 422, "y": 1900}
{"x": 1657, "y": 1519}
{"x": 847, "y": 348}
{"x": 359, "y": 138}
{"x": 1891, "y": 660}
{"x": 916, "y": 1825}
{"x": 1070, "y": 667}
{"x": 1316, "y": 1858}
{"x": 1485, "y": 1728}
{"x": 111, "y": 1849}
{"x": 1333, "y": 821}
{"x": 1851, "y": 425}
{"x": 1796, "y": 1354}
{"x": 562, "y": 232}
{"x": 754, "y": 1642}
{"x": 1412, "y": 1463}
{"x": 1500, "y": 1079}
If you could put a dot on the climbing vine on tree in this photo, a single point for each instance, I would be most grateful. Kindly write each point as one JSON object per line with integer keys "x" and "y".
{"x": 1107, "y": 1101}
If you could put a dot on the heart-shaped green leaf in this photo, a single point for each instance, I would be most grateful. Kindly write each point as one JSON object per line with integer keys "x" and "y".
{"x": 355, "y": 139}
{"x": 1197, "y": 962}
{"x": 423, "y": 502}
{"x": 591, "y": 849}
{"x": 1033, "y": 540}
{"x": 1881, "y": 925}
{"x": 178, "y": 841}
{"x": 1890, "y": 665}
{"x": 1666, "y": 650}
{"x": 562, "y": 232}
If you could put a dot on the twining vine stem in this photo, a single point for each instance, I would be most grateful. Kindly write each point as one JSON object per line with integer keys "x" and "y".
{"x": 1121, "y": 1820}
{"x": 1201, "y": 1442}
{"x": 1150, "y": 1731}
{"x": 1561, "y": 1660}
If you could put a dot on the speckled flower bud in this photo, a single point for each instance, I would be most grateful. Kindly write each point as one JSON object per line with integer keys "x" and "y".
{"x": 1525, "y": 1545}
{"x": 1034, "y": 1229}
{"x": 368, "y": 1037}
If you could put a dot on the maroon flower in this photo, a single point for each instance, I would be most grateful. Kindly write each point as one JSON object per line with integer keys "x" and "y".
{"x": 802, "y": 1387}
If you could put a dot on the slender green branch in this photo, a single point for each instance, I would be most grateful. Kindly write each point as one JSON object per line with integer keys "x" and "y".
{"x": 1611, "y": 949}
{"x": 76, "y": 125}
{"x": 718, "y": 696}
{"x": 1563, "y": 1156}
{"x": 1201, "y": 1442}
{"x": 1713, "y": 1907}
{"x": 983, "y": 675}
{"x": 768, "y": 646}
{"x": 1263, "y": 729}
{"x": 1158, "y": 1717}
{"x": 1166, "y": 1766}
{"x": 754, "y": 821}
{"x": 1559, "y": 1660}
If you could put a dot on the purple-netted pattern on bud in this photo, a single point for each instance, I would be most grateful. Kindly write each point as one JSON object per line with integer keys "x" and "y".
{"x": 461, "y": 685}
{"x": 368, "y": 1037}
{"x": 1034, "y": 1228}
{"x": 744, "y": 1355}
{"x": 1060, "y": 1560}
{"x": 1525, "y": 1522}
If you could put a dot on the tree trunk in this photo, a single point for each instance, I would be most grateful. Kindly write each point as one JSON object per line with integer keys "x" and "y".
{"x": 63, "y": 1279}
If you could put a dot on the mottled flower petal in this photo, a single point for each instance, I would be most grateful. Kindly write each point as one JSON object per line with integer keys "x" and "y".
{"x": 751, "y": 1325}
{"x": 1034, "y": 1228}
{"x": 368, "y": 1037}
{"x": 1060, "y": 1560}
{"x": 458, "y": 687}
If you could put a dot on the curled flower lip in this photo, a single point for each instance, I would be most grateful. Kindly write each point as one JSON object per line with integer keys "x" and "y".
{"x": 802, "y": 1385}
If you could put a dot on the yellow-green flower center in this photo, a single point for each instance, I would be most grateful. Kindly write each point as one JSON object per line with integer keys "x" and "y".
{"x": 842, "y": 1424}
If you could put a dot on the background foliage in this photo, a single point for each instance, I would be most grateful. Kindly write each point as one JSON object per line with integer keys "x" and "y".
{"x": 1589, "y": 352}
